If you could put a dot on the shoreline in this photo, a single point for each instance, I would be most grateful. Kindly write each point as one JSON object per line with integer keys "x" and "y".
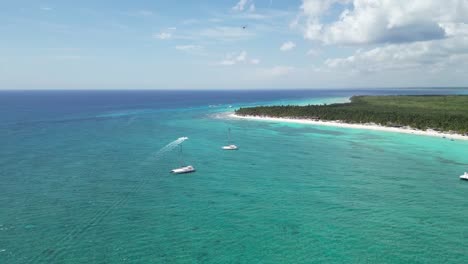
{"x": 376, "y": 127}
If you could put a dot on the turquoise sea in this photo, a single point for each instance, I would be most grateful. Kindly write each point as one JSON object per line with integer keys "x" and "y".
{"x": 83, "y": 180}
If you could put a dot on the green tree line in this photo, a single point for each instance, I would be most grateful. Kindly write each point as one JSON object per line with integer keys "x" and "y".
{"x": 444, "y": 113}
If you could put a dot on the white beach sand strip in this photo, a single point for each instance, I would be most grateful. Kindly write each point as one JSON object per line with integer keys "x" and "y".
{"x": 405, "y": 130}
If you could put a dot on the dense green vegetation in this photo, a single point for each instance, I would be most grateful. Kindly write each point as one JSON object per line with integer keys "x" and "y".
{"x": 445, "y": 113}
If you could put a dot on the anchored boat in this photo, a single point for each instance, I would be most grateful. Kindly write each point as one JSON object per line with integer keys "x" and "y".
{"x": 184, "y": 168}
{"x": 464, "y": 176}
{"x": 230, "y": 146}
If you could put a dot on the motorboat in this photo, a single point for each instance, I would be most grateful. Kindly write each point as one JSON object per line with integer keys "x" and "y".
{"x": 464, "y": 176}
{"x": 230, "y": 146}
{"x": 182, "y": 170}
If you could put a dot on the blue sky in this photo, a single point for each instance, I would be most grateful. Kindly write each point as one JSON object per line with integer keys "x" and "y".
{"x": 203, "y": 45}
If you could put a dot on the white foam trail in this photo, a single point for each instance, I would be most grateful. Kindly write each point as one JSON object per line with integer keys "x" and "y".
{"x": 170, "y": 146}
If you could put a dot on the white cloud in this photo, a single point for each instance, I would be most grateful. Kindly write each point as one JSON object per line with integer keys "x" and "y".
{"x": 166, "y": 34}
{"x": 419, "y": 39}
{"x": 423, "y": 56}
{"x": 287, "y": 46}
{"x": 315, "y": 8}
{"x": 241, "y": 57}
{"x": 381, "y": 21}
{"x": 163, "y": 36}
{"x": 238, "y": 58}
{"x": 240, "y": 5}
{"x": 255, "y": 61}
{"x": 46, "y": 8}
{"x": 312, "y": 52}
{"x": 243, "y": 4}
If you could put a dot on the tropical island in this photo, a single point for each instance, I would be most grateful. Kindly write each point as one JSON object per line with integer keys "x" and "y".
{"x": 438, "y": 113}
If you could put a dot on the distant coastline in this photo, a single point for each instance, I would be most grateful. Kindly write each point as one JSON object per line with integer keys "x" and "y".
{"x": 369, "y": 126}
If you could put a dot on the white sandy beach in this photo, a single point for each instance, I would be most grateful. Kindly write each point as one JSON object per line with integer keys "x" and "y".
{"x": 405, "y": 130}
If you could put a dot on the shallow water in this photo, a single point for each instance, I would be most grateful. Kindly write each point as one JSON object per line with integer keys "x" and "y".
{"x": 82, "y": 182}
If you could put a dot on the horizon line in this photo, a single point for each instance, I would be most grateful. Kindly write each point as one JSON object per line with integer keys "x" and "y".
{"x": 237, "y": 89}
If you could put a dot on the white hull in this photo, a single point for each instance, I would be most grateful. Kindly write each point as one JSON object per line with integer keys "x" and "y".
{"x": 182, "y": 170}
{"x": 464, "y": 176}
{"x": 230, "y": 147}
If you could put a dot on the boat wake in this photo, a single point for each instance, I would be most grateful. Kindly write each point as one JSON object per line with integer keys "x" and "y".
{"x": 170, "y": 146}
{"x": 64, "y": 243}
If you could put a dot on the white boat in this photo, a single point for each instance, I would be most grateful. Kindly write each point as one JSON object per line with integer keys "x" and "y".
{"x": 464, "y": 176}
{"x": 183, "y": 169}
{"x": 230, "y": 146}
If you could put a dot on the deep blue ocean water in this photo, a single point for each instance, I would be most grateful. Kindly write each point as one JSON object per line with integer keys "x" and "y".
{"x": 83, "y": 180}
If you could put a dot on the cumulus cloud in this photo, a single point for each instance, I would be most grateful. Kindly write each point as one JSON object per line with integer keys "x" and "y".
{"x": 238, "y": 58}
{"x": 381, "y": 21}
{"x": 287, "y": 46}
{"x": 391, "y": 36}
{"x": 423, "y": 56}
